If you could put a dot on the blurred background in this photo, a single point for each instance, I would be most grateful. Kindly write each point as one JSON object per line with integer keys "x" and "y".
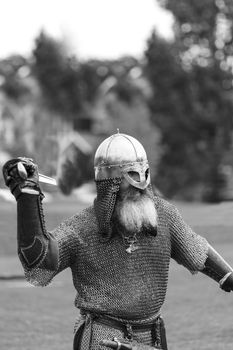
{"x": 75, "y": 71}
{"x": 71, "y": 73}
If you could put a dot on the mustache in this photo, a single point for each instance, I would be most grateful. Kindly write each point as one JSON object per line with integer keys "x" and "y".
{"x": 134, "y": 194}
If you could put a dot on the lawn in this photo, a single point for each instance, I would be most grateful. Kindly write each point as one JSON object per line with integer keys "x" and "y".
{"x": 198, "y": 315}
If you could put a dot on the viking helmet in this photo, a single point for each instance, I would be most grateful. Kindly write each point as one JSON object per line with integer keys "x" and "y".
{"x": 121, "y": 156}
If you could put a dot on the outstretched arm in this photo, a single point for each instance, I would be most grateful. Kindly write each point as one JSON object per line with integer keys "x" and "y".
{"x": 195, "y": 253}
{"x": 218, "y": 269}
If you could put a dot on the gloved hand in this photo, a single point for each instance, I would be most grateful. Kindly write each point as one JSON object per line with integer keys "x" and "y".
{"x": 21, "y": 176}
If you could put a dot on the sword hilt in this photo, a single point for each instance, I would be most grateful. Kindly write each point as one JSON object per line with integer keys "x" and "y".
{"x": 42, "y": 178}
{"x": 115, "y": 344}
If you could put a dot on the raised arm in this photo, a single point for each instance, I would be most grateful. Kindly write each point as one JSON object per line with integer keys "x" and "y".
{"x": 39, "y": 251}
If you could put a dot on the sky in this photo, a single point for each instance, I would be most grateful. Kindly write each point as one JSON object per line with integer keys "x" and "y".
{"x": 92, "y": 28}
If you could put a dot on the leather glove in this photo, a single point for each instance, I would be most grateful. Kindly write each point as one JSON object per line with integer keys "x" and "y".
{"x": 21, "y": 176}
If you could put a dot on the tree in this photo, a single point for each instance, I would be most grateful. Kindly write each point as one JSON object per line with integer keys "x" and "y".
{"x": 66, "y": 83}
{"x": 191, "y": 80}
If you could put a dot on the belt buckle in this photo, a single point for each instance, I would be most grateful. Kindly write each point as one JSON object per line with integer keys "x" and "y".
{"x": 129, "y": 330}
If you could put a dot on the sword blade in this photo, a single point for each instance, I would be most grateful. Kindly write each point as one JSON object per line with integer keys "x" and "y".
{"x": 47, "y": 180}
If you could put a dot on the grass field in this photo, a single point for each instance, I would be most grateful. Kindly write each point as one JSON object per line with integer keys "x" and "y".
{"x": 198, "y": 315}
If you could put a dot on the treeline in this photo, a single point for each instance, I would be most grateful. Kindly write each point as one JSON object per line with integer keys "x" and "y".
{"x": 192, "y": 101}
{"x": 177, "y": 99}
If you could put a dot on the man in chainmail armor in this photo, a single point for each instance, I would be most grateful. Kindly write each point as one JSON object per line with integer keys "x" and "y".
{"x": 118, "y": 249}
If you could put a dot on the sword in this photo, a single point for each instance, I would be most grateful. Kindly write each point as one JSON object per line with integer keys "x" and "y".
{"x": 47, "y": 180}
{"x": 42, "y": 178}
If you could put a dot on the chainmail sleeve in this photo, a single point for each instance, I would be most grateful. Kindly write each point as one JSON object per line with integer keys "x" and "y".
{"x": 66, "y": 238}
{"x": 67, "y": 234}
{"x": 187, "y": 248}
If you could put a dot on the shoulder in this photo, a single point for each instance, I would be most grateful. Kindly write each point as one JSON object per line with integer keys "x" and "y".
{"x": 164, "y": 206}
{"x": 86, "y": 217}
{"x": 168, "y": 212}
{"x": 79, "y": 221}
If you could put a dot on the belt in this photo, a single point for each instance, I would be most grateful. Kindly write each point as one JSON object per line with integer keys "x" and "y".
{"x": 121, "y": 325}
{"x": 126, "y": 327}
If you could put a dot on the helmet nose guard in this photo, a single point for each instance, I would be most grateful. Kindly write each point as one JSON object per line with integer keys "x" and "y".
{"x": 142, "y": 171}
{"x": 121, "y": 156}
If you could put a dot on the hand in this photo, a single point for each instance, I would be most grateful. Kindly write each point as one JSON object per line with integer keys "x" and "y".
{"x": 21, "y": 176}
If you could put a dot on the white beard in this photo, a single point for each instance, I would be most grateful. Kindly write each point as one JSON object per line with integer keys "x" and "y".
{"x": 135, "y": 210}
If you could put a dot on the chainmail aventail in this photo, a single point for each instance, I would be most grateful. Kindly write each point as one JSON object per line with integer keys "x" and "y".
{"x": 104, "y": 204}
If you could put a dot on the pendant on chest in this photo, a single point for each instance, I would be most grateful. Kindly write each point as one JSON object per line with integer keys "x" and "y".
{"x": 131, "y": 241}
{"x": 131, "y": 248}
